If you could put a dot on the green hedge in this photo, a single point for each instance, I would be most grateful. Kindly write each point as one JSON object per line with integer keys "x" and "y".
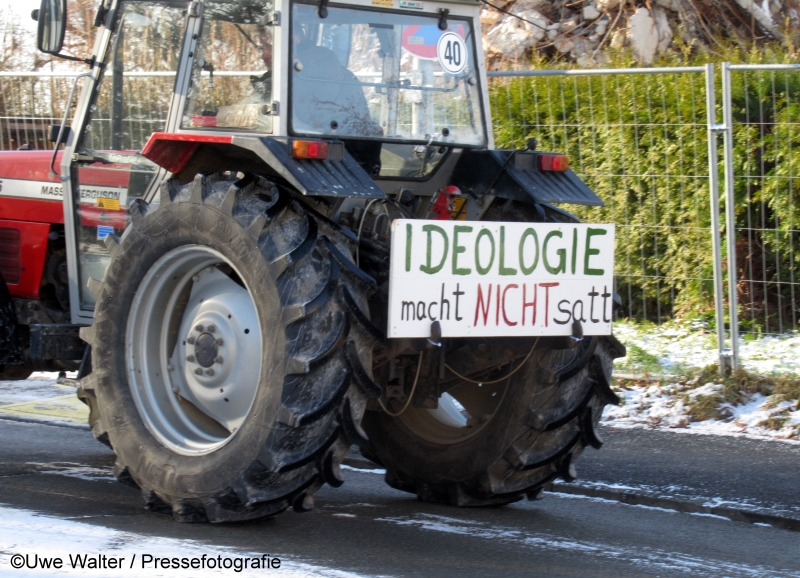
{"x": 640, "y": 141}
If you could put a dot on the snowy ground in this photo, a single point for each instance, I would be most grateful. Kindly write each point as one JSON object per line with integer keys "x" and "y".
{"x": 661, "y": 385}
{"x": 41, "y": 398}
{"x": 38, "y": 540}
{"x": 39, "y": 386}
{"x": 681, "y": 345}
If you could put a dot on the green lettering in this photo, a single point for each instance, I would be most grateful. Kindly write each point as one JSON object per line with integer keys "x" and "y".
{"x": 459, "y": 249}
{"x": 503, "y": 269}
{"x": 590, "y": 232}
{"x": 483, "y": 270}
{"x": 562, "y": 254}
{"x": 525, "y": 235}
{"x": 408, "y": 247}
{"x": 574, "y": 248}
{"x": 427, "y": 268}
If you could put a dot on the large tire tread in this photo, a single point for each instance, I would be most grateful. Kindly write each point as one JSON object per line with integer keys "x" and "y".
{"x": 310, "y": 437}
{"x": 537, "y": 457}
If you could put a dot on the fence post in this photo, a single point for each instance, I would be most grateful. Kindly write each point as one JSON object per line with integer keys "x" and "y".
{"x": 730, "y": 213}
{"x": 716, "y": 228}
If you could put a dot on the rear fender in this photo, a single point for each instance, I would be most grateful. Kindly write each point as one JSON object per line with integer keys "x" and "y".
{"x": 515, "y": 175}
{"x": 185, "y": 155}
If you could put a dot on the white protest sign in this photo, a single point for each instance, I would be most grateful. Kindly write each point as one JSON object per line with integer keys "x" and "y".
{"x": 500, "y": 279}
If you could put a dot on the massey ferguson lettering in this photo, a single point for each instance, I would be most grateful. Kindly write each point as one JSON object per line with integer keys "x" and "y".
{"x": 90, "y": 194}
{"x": 52, "y": 191}
{"x": 55, "y": 191}
{"x": 93, "y": 194}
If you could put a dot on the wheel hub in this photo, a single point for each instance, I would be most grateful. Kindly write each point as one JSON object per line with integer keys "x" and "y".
{"x": 205, "y": 350}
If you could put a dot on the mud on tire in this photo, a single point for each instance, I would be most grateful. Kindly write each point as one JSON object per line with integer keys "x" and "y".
{"x": 309, "y": 301}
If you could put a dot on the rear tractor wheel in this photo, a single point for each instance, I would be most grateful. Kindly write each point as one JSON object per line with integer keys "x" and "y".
{"x": 502, "y": 433}
{"x": 225, "y": 342}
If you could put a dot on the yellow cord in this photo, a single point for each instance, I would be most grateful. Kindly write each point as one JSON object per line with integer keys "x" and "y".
{"x": 524, "y": 361}
{"x": 413, "y": 389}
{"x": 419, "y": 366}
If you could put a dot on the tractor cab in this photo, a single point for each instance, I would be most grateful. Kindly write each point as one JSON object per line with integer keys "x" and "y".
{"x": 178, "y": 87}
{"x": 358, "y": 74}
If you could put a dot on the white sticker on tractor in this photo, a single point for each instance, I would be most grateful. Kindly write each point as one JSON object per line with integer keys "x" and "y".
{"x": 500, "y": 279}
{"x": 104, "y": 231}
{"x": 452, "y": 52}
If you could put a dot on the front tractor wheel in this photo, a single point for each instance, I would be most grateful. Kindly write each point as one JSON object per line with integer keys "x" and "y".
{"x": 224, "y": 344}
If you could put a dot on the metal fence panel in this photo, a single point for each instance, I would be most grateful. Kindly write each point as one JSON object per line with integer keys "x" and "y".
{"x": 28, "y": 104}
{"x": 762, "y": 111}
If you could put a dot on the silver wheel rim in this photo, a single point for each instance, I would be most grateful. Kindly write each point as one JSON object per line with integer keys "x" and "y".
{"x": 193, "y": 350}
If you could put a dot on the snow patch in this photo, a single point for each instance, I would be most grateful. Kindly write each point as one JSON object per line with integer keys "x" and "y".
{"x": 39, "y": 386}
{"x": 704, "y": 515}
{"x": 73, "y": 470}
{"x": 660, "y": 399}
{"x": 25, "y": 532}
{"x": 638, "y": 556}
{"x": 607, "y": 501}
{"x": 362, "y": 470}
{"x": 673, "y": 492}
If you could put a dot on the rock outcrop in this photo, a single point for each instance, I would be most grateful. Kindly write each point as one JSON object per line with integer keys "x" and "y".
{"x": 583, "y": 30}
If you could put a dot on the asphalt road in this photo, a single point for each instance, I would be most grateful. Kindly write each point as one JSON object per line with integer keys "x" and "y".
{"x": 367, "y": 528}
{"x": 748, "y": 473}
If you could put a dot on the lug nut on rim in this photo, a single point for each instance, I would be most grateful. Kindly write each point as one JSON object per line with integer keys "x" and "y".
{"x": 211, "y": 328}
{"x": 198, "y": 371}
{"x": 190, "y": 340}
{"x": 199, "y": 328}
{"x": 218, "y": 359}
{"x": 190, "y": 358}
{"x": 209, "y": 372}
{"x": 220, "y": 341}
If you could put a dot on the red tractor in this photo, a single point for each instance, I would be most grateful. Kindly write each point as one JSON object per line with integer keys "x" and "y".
{"x": 277, "y": 229}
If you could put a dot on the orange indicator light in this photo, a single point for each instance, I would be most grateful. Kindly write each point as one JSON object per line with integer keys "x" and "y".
{"x": 310, "y": 149}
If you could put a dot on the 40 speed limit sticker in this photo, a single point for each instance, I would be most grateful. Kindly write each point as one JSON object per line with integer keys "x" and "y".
{"x": 452, "y": 52}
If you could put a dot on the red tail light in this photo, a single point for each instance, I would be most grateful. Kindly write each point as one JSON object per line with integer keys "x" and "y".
{"x": 310, "y": 149}
{"x": 554, "y": 163}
